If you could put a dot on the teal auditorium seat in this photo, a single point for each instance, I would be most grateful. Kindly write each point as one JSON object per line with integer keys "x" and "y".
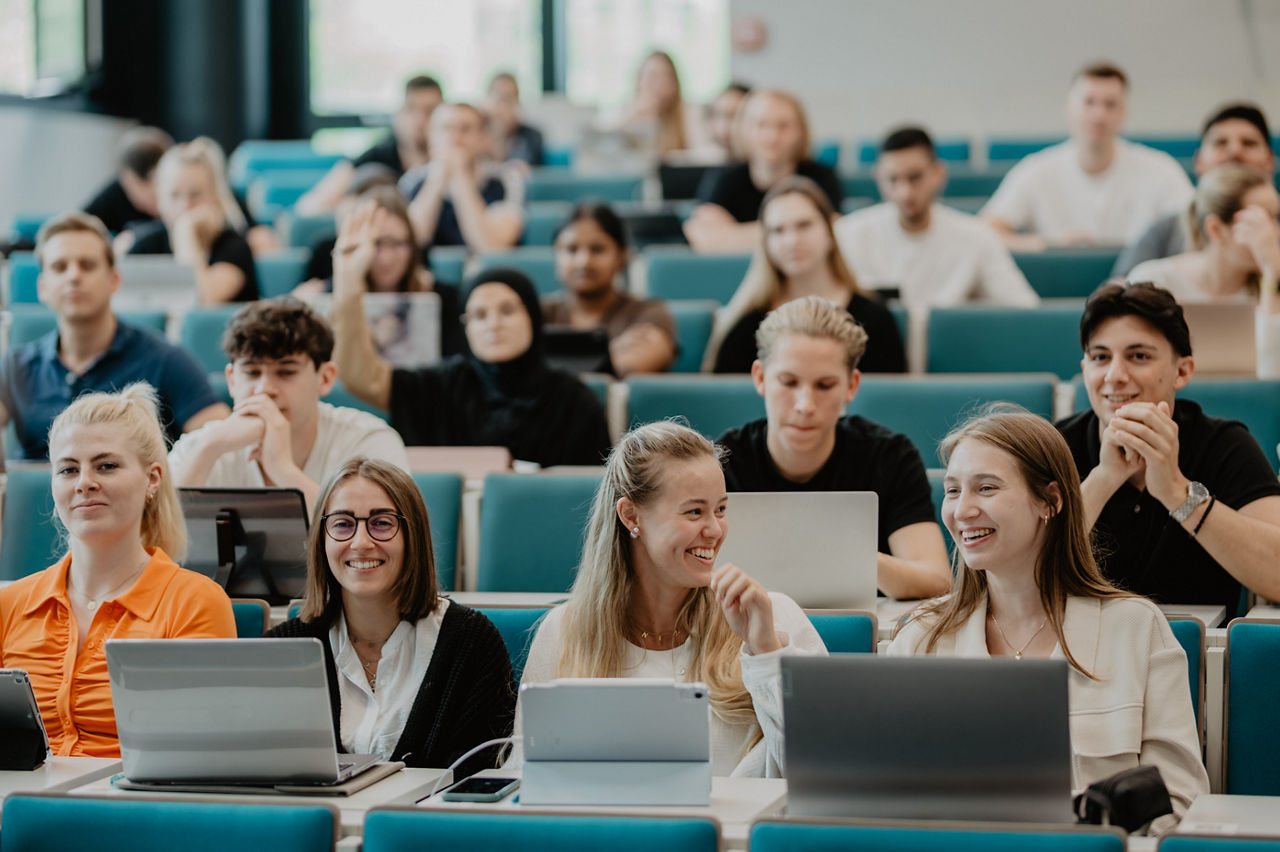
{"x": 995, "y": 339}
{"x": 32, "y": 321}
{"x": 827, "y": 152}
{"x": 949, "y": 150}
{"x": 926, "y": 408}
{"x": 694, "y": 319}
{"x": 962, "y": 182}
{"x": 531, "y": 530}
{"x": 252, "y": 157}
{"x": 280, "y": 272}
{"x": 306, "y": 231}
{"x": 31, "y": 539}
{"x": 679, "y": 273}
{"x": 598, "y": 384}
{"x": 557, "y": 155}
{"x": 201, "y": 334}
{"x": 27, "y": 225}
{"x": 1015, "y": 148}
{"x": 64, "y": 823}
{"x": 253, "y": 617}
{"x": 538, "y": 262}
{"x": 517, "y": 626}
{"x": 448, "y": 262}
{"x": 21, "y": 273}
{"x": 541, "y": 218}
{"x": 410, "y": 830}
{"x": 768, "y": 836}
{"x": 1067, "y": 273}
{"x": 1252, "y": 693}
{"x": 711, "y": 404}
{"x": 1193, "y": 843}
{"x": 560, "y": 184}
{"x": 272, "y": 192}
{"x": 971, "y": 204}
{"x": 1190, "y": 635}
{"x": 442, "y": 492}
{"x": 1178, "y": 147}
{"x": 1254, "y": 402}
{"x": 846, "y": 633}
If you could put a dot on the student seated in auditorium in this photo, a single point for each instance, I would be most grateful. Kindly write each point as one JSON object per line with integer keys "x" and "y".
{"x": 774, "y": 141}
{"x": 807, "y": 372}
{"x": 934, "y": 255}
{"x": 1028, "y": 586}
{"x": 722, "y": 119}
{"x": 501, "y": 393}
{"x": 796, "y": 255}
{"x": 201, "y": 224}
{"x": 510, "y": 139}
{"x": 92, "y": 349}
{"x": 413, "y": 676}
{"x": 648, "y": 600}
{"x": 1093, "y": 189}
{"x": 460, "y": 197}
{"x": 1237, "y": 133}
{"x": 404, "y": 148}
{"x": 591, "y": 262}
{"x": 1185, "y": 507}
{"x": 659, "y": 112}
{"x": 399, "y": 265}
{"x": 130, "y": 199}
{"x": 116, "y": 501}
{"x": 280, "y": 432}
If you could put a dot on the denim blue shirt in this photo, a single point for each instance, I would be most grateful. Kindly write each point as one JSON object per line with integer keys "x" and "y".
{"x": 35, "y": 386}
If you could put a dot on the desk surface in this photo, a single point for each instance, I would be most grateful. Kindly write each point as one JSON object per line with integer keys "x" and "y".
{"x": 1216, "y": 813}
{"x": 735, "y": 804}
{"x": 58, "y": 774}
{"x": 405, "y": 787}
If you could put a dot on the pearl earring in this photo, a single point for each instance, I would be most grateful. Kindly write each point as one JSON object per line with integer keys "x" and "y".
{"x": 635, "y": 532}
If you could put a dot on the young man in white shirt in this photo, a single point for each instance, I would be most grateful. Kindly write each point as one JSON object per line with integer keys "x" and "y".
{"x": 1093, "y": 189}
{"x": 934, "y": 255}
{"x": 279, "y": 432}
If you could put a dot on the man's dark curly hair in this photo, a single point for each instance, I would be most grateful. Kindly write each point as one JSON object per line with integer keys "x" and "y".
{"x": 277, "y": 328}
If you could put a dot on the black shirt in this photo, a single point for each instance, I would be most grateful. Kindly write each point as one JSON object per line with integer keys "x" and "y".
{"x": 113, "y": 207}
{"x": 866, "y": 457}
{"x": 227, "y": 247}
{"x": 1138, "y": 545}
{"x": 384, "y": 153}
{"x": 884, "y": 354}
{"x": 731, "y": 188}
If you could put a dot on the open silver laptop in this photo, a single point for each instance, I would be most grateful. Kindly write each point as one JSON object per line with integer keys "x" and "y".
{"x": 226, "y": 711}
{"x": 817, "y": 547}
{"x": 927, "y": 738}
{"x": 155, "y": 282}
{"x": 1223, "y": 337}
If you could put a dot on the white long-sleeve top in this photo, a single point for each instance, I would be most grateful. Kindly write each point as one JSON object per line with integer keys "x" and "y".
{"x": 760, "y": 674}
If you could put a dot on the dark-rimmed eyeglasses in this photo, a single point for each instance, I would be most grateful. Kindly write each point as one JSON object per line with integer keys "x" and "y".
{"x": 381, "y": 526}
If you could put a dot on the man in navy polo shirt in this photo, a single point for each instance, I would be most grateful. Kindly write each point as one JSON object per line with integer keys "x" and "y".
{"x": 92, "y": 350}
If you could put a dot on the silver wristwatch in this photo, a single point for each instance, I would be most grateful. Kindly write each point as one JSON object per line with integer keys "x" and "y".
{"x": 1196, "y": 494}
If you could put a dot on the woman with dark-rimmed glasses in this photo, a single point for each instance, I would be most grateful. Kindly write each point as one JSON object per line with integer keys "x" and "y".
{"x": 412, "y": 676}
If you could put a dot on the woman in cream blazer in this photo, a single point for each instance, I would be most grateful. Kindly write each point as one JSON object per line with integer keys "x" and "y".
{"x": 1028, "y": 586}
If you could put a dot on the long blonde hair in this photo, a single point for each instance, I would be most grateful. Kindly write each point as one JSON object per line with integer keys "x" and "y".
{"x": 203, "y": 151}
{"x": 672, "y": 135}
{"x": 1065, "y": 567}
{"x": 597, "y": 618}
{"x": 764, "y": 284}
{"x": 133, "y": 414}
{"x": 1220, "y": 193}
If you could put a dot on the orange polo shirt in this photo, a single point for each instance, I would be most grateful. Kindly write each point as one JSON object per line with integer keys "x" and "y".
{"x": 38, "y": 634}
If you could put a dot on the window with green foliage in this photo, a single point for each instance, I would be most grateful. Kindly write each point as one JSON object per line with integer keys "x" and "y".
{"x": 42, "y": 46}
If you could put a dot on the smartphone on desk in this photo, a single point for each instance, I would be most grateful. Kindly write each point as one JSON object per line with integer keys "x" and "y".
{"x": 478, "y": 789}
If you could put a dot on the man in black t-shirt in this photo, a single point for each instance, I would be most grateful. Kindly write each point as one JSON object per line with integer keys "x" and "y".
{"x": 807, "y": 373}
{"x": 131, "y": 197}
{"x": 1185, "y": 507}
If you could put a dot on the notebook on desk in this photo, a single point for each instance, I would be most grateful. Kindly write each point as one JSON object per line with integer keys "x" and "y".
{"x": 816, "y": 547}
{"x": 210, "y": 715}
{"x": 927, "y": 738}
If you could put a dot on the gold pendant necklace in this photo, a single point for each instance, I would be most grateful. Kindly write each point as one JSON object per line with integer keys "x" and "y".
{"x": 1017, "y": 652}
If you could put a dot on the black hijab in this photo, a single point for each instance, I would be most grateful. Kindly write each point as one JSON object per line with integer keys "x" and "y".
{"x": 525, "y": 375}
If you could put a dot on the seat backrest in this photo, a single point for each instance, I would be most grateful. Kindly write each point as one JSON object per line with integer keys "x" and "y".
{"x": 396, "y": 830}
{"x": 694, "y": 319}
{"x": 62, "y": 823}
{"x": 1252, "y": 692}
{"x": 448, "y": 262}
{"x": 30, "y": 322}
{"x": 1202, "y": 843}
{"x": 680, "y": 273}
{"x": 846, "y": 632}
{"x": 1067, "y": 273}
{"x": 31, "y": 539}
{"x": 253, "y": 617}
{"x": 998, "y": 339}
{"x": 770, "y": 836}
{"x": 279, "y": 272}
{"x": 541, "y": 218}
{"x": 711, "y": 404}
{"x": 560, "y": 184}
{"x": 531, "y": 530}
{"x": 517, "y": 626}
{"x": 442, "y": 493}
{"x": 1016, "y": 147}
{"x": 305, "y": 231}
{"x": 1190, "y": 635}
{"x": 538, "y": 262}
{"x": 201, "y": 334}
{"x": 22, "y": 271}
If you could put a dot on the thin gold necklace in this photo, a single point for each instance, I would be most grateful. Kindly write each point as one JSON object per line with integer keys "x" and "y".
{"x": 92, "y": 603}
{"x": 1017, "y": 652}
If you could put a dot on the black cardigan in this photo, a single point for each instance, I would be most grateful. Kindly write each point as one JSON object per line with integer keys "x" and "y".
{"x": 466, "y": 697}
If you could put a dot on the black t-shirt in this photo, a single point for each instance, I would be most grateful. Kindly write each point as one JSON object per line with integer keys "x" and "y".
{"x": 113, "y": 207}
{"x": 1138, "y": 545}
{"x": 384, "y": 153}
{"x": 731, "y": 188}
{"x": 866, "y": 457}
{"x": 228, "y": 247}
{"x": 884, "y": 354}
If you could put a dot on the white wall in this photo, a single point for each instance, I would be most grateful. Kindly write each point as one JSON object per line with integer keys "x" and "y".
{"x": 978, "y": 67}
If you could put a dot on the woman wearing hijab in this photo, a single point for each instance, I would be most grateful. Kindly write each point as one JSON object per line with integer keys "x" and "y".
{"x": 503, "y": 393}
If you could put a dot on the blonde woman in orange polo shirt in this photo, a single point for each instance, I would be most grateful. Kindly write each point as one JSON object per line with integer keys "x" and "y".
{"x": 117, "y": 503}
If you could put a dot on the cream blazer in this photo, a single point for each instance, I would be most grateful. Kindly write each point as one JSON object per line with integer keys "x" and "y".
{"x": 1135, "y": 711}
